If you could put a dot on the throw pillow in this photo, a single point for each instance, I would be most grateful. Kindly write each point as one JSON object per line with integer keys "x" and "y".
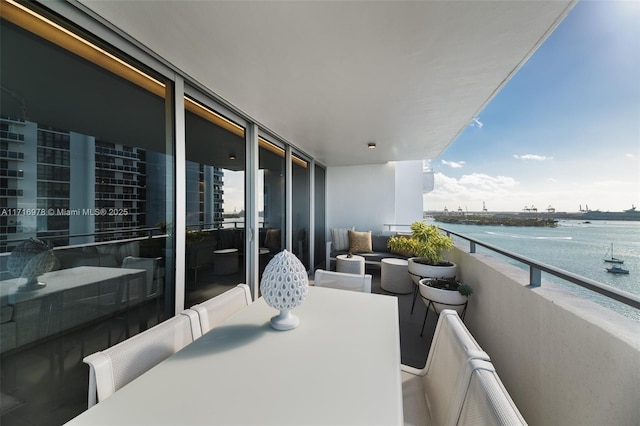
{"x": 359, "y": 242}
{"x": 379, "y": 243}
{"x": 339, "y": 239}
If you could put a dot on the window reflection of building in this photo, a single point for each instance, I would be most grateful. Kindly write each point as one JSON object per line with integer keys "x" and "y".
{"x": 205, "y": 196}
{"x": 61, "y": 171}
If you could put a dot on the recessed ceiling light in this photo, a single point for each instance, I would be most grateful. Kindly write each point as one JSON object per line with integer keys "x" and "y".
{"x": 372, "y": 145}
{"x": 232, "y": 157}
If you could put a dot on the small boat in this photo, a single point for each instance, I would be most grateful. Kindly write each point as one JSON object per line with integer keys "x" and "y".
{"x": 615, "y": 269}
{"x": 613, "y": 259}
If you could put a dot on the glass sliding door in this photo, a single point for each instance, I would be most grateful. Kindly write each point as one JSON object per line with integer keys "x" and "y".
{"x": 215, "y": 197}
{"x": 320, "y": 217}
{"x": 301, "y": 214}
{"x": 271, "y": 201}
{"x": 86, "y": 196}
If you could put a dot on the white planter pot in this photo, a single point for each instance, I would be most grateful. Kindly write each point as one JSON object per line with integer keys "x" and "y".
{"x": 442, "y": 299}
{"x": 420, "y": 270}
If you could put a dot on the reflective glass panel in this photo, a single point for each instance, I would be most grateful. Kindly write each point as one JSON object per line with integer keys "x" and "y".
{"x": 86, "y": 196}
{"x": 319, "y": 218}
{"x": 215, "y": 193}
{"x": 271, "y": 201}
{"x": 301, "y": 199}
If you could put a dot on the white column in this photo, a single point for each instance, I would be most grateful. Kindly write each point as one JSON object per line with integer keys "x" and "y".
{"x": 251, "y": 209}
{"x": 180, "y": 196}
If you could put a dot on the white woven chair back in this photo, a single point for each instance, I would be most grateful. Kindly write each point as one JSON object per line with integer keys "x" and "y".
{"x": 487, "y": 402}
{"x": 450, "y": 350}
{"x": 344, "y": 281}
{"x": 217, "y": 309}
{"x": 114, "y": 367}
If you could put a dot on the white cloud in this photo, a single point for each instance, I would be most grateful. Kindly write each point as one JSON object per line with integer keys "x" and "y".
{"x": 468, "y": 191}
{"x": 532, "y": 157}
{"x": 630, "y": 156}
{"x": 475, "y": 122}
{"x": 505, "y": 193}
{"x": 453, "y": 164}
{"x": 481, "y": 181}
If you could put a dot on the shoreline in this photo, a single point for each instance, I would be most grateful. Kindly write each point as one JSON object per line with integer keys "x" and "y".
{"x": 584, "y": 216}
{"x": 494, "y": 220}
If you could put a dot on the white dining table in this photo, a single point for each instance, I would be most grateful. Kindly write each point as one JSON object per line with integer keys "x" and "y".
{"x": 64, "y": 280}
{"x": 341, "y": 366}
{"x": 71, "y": 298}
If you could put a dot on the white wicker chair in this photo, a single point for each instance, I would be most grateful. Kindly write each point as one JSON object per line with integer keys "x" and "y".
{"x": 486, "y": 401}
{"x": 217, "y": 309}
{"x": 431, "y": 393}
{"x": 353, "y": 282}
{"x": 114, "y": 367}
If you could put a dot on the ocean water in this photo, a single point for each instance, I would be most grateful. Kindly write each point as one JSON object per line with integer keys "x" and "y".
{"x": 574, "y": 246}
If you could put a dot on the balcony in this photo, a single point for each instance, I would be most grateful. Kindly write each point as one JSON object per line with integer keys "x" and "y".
{"x": 11, "y": 193}
{"x": 549, "y": 347}
{"x": 12, "y": 173}
{"x": 11, "y": 137}
{"x": 11, "y": 155}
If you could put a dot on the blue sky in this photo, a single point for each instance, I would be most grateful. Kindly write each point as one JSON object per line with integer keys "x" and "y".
{"x": 564, "y": 131}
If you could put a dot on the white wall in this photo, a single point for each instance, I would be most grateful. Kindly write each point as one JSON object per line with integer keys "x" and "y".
{"x": 563, "y": 359}
{"x": 361, "y": 196}
{"x": 369, "y": 196}
{"x": 409, "y": 203}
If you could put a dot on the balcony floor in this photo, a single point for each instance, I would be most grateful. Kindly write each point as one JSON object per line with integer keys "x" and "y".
{"x": 413, "y": 347}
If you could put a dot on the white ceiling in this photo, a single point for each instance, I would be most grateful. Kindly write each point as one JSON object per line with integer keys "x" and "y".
{"x": 331, "y": 76}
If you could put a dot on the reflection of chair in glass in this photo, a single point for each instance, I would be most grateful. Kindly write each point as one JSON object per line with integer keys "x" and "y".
{"x": 109, "y": 301}
{"x": 298, "y": 243}
{"x": 272, "y": 240}
{"x": 153, "y": 287}
{"x": 199, "y": 254}
{"x": 343, "y": 281}
{"x": 219, "y": 308}
{"x": 154, "y": 277}
{"x": 112, "y": 368}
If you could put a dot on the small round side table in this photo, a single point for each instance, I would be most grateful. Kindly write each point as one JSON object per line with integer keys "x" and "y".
{"x": 394, "y": 276}
{"x": 225, "y": 261}
{"x": 350, "y": 265}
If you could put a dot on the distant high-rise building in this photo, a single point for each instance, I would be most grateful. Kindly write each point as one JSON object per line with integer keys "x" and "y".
{"x": 204, "y": 190}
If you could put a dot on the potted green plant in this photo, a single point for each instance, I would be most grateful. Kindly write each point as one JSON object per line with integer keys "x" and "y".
{"x": 445, "y": 293}
{"x": 426, "y": 245}
{"x": 195, "y": 236}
